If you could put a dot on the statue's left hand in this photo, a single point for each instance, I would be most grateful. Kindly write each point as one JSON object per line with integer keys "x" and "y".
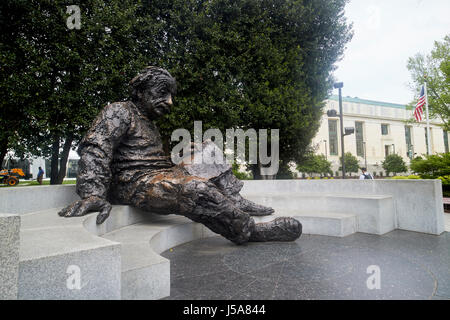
{"x": 81, "y": 207}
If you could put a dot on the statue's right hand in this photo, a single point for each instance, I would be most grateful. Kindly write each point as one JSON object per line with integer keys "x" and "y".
{"x": 81, "y": 207}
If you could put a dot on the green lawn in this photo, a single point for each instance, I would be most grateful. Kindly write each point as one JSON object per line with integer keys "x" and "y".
{"x": 31, "y": 183}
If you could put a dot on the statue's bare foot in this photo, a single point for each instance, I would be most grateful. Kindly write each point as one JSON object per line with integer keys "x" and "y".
{"x": 280, "y": 229}
{"x": 250, "y": 207}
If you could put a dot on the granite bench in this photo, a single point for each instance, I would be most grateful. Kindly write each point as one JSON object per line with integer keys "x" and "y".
{"x": 73, "y": 258}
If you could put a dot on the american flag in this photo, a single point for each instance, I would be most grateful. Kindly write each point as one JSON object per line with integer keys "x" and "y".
{"x": 418, "y": 111}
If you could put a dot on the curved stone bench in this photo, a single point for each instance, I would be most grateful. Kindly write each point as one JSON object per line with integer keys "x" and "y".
{"x": 417, "y": 203}
{"x": 76, "y": 259}
{"x": 116, "y": 260}
{"x": 334, "y": 214}
{"x": 120, "y": 258}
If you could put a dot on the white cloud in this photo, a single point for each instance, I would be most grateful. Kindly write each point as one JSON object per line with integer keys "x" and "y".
{"x": 387, "y": 33}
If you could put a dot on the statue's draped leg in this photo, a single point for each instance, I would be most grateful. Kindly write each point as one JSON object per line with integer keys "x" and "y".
{"x": 215, "y": 168}
{"x": 211, "y": 199}
{"x": 175, "y": 192}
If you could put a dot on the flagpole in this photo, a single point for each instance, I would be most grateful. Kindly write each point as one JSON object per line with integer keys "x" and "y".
{"x": 428, "y": 119}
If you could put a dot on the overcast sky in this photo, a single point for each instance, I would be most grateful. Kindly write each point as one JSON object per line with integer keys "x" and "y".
{"x": 386, "y": 34}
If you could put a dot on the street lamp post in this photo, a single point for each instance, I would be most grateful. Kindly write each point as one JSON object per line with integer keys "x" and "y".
{"x": 326, "y": 151}
{"x": 339, "y": 86}
{"x": 393, "y": 148}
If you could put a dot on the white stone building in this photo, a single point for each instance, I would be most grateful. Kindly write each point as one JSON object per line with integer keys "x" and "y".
{"x": 380, "y": 129}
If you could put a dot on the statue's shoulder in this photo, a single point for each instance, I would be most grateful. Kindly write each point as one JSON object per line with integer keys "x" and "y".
{"x": 119, "y": 110}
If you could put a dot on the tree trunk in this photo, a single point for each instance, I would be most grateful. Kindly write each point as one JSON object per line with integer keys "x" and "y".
{"x": 54, "y": 160}
{"x": 63, "y": 161}
{"x": 3, "y": 150}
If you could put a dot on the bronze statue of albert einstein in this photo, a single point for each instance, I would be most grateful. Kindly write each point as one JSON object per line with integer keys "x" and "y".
{"x": 122, "y": 162}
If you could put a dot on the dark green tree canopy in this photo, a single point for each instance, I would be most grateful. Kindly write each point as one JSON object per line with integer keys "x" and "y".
{"x": 254, "y": 64}
{"x": 54, "y": 80}
{"x": 239, "y": 64}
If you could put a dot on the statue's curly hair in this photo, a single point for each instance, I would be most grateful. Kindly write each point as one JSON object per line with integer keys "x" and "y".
{"x": 150, "y": 75}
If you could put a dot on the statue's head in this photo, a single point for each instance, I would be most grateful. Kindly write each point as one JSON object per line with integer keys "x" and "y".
{"x": 152, "y": 91}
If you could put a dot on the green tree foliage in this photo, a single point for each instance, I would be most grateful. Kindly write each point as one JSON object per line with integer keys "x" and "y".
{"x": 239, "y": 174}
{"x": 351, "y": 163}
{"x": 239, "y": 64}
{"x": 432, "y": 166}
{"x": 394, "y": 163}
{"x": 253, "y": 64}
{"x": 54, "y": 80}
{"x": 436, "y": 67}
{"x": 315, "y": 164}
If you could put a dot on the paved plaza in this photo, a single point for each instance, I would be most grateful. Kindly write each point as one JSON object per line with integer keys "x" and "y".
{"x": 412, "y": 266}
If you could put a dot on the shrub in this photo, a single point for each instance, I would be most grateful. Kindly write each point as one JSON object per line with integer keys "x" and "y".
{"x": 351, "y": 163}
{"x": 406, "y": 177}
{"x": 241, "y": 175}
{"x": 315, "y": 164}
{"x": 433, "y": 166}
{"x": 445, "y": 180}
{"x": 394, "y": 163}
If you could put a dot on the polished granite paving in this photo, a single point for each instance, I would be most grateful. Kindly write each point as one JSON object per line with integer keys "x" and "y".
{"x": 411, "y": 266}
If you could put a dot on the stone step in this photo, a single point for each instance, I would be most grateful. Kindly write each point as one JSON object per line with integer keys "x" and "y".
{"x": 375, "y": 213}
{"x": 54, "y": 250}
{"x": 320, "y": 202}
{"x": 326, "y": 223}
{"x": 124, "y": 263}
{"x": 146, "y": 274}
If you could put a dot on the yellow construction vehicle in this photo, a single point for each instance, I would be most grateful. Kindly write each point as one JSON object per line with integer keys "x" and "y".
{"x": 11, "y": 176}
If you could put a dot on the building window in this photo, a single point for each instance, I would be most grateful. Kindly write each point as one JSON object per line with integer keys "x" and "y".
{"x": 332, "y": 131}
{"x": 384, "y": 129}
{"x": 386, "y": 150}
{"x": 408, "y": 142}
{"x": 359, "y": 134}
{"x": 446, "y": 141}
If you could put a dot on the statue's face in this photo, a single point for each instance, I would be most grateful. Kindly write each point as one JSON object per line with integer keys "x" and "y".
{"x": 156, "y": 96}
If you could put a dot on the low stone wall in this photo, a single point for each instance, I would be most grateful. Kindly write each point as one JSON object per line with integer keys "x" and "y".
{"x": 9, "y": 255}
{"x": 22, "y": 200}
{"x": 418, "y": 203}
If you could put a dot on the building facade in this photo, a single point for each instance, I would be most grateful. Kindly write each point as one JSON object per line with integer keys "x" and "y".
{"x": 380, "y": 129}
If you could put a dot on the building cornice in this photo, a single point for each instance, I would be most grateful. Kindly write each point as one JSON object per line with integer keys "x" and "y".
{"x": 368, "y": 116}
